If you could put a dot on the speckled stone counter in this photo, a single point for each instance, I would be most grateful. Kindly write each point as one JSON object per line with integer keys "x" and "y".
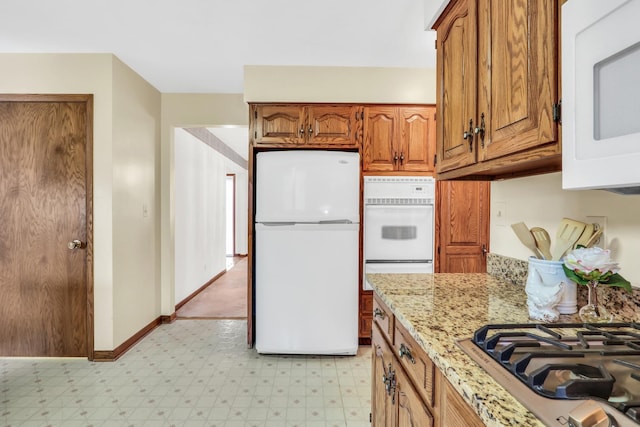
{"x": 438, "y": 309}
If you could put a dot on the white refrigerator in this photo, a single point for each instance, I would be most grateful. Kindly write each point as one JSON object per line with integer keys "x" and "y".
{"x": 306, "y": 252}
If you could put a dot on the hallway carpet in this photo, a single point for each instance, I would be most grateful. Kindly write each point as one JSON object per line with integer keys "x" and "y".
{"x": 225, "y": 298}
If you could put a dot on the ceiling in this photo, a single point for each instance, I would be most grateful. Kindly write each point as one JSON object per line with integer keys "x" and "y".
{"x": 201, "y": 46}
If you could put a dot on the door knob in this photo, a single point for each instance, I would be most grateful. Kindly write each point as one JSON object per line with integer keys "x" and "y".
{"x": 75, "y": 244}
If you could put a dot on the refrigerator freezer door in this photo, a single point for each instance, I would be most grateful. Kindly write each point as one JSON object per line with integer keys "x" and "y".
{"x": 306, "y": 289}
{"x": 307, "y": 186}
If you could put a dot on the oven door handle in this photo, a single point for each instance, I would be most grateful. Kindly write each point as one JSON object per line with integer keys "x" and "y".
{"x": 381, "y": 205}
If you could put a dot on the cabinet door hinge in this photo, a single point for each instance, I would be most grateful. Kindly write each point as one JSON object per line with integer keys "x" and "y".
{"x": 438, "y": 250}
{"x": 255, "y": 135}
{"x": 435, "y": 159}
{"x": 255, "y": 114}
{"x": 435, "y": 42}
{"x": 370, "y": 417}
{"x": 557, "y": 112}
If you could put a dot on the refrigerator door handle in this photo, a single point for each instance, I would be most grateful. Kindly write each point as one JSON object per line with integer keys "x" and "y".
{"x": 277, "y": 224}
{"x": 336, "y": 221}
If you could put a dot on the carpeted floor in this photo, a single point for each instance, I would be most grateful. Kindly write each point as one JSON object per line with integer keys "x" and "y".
{"x": 226, "y": 298}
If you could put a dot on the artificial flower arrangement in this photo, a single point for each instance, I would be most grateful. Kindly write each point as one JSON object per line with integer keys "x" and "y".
{"x": 590, "y": 267}
{"x": 584, "y": 265}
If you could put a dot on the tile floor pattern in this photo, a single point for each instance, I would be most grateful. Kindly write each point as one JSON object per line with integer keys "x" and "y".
{"x": 188, "y": 373}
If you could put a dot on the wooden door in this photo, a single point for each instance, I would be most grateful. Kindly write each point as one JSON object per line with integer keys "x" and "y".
{"x": 417, "y": 138}
{"x": 382, "y": 368}
{"x": 379, "y": 145}
{"x": 278, "y": 124}
{"x": 45, "y": 200}
{"x": 462, "y": 226}
{"x": 456, "y": 86}
{"x": 332, "y": 124}
{"x": 517, "y": 74}
{"x": 412, "y": 411}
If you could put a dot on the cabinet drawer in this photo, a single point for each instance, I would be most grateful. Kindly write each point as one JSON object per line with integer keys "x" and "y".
{"x": 416, "y": 363}
{"x": 383, "y": 317}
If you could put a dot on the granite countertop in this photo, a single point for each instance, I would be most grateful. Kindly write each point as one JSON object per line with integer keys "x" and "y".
{"x": 438, "y": 309}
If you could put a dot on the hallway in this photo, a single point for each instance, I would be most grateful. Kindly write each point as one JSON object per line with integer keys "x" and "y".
{"x": 225, "y": 298}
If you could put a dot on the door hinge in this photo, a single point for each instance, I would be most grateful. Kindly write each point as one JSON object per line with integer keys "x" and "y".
{"x": 255, "y": 135}
{"x": 438, "y": 250}
{"x": 370, "y": 418}
{"x": 435, "y": 42}
{"x": 557, "y": 112}
{"x": 435, "y": 159}
{"x": 255, "y": 114}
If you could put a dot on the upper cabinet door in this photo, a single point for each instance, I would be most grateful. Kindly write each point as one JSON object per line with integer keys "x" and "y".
{"x": 380, "y": 145}
{"x": 333, "y": 124}
{"x": 417, "y": 136}
{"x": 279, "y": 124}
{"x": 456, "y": 86}
{"x": 517, "y": 75}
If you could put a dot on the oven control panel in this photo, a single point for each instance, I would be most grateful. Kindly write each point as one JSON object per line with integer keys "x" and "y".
{"x": 399, "y": 188}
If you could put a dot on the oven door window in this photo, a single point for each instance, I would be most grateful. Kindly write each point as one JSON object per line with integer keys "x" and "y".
{"x": 398, "y": 233}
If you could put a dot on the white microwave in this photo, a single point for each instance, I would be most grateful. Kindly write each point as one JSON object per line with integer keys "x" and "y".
{"x": 601, "y": 95}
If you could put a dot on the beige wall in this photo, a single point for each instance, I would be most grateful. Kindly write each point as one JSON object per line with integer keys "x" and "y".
{"x": 135, "y": 197}
{"x": 339, "y": 84}
{"x": 125, "y": 130}
{"x": 540, "y": 201}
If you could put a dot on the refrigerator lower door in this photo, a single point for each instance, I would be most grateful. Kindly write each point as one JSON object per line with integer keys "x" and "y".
{"x": 306, "y": 288}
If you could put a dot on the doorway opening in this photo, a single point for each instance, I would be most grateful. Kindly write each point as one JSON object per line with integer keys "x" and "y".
{"x": 230, "y": 206}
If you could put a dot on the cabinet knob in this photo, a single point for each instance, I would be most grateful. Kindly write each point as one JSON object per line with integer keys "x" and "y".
{"x": 310, "y": 130}
{"x": 395, "y": 157}
{"x": 401, "y": 158}
{"x": 301, "y": 130}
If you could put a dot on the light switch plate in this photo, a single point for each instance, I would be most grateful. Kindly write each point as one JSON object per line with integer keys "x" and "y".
{"x": 500, "y": 214}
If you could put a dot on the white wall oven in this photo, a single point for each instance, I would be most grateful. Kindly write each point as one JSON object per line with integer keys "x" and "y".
{"x": 398, "y": 224}
{"x": 601, "y": 95}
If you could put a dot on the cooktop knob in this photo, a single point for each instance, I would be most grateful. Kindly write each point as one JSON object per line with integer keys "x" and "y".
{"x": 589, "y": 414}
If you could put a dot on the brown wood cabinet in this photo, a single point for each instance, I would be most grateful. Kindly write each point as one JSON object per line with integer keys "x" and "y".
{"x": 395, "y": 400}
{"x": 497, "y": 85}
{"x": 399, "y": 138}
{"x": 407, "y": 389}
{"x": 462, "y": 226}
{"x": 454, "y": 411}
{"x": 366, "y": 316}
{"x": 306, "y": 125}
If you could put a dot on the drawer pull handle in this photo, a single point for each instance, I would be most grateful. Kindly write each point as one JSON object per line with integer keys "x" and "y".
{"x": 379, "y": 313}
{"x": 404, "y": 351}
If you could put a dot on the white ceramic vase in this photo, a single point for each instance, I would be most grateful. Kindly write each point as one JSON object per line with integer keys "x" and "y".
{"x": 549, "y": 291}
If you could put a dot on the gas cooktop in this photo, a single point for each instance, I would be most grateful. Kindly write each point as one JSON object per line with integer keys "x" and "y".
{"x": 569, "y": 374}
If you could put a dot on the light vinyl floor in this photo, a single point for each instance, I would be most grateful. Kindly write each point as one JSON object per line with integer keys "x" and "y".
{"x": 189, "y": 373}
